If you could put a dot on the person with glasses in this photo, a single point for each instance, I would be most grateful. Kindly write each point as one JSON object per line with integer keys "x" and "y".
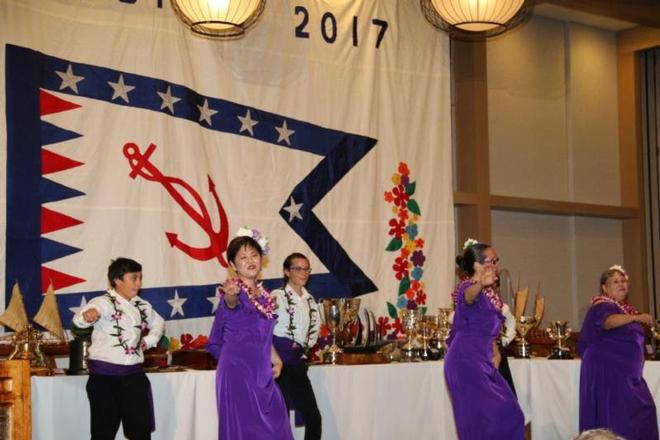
{"x": 613, "y": 392}
{"x": 296, "y": 332}
{"x": 484, "y": 405}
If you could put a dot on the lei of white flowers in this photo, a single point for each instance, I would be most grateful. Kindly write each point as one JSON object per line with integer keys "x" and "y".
{"x": 257, "y": 236}
{"x": 469, "y": 242}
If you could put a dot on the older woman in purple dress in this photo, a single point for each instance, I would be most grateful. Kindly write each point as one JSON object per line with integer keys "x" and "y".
{"x": 613, "y": 393}
{"x": 484, "y": 405}
{"x": 250, "y": 404}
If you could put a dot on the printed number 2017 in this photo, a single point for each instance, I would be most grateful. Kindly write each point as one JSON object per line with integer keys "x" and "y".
{"x": 329, "y": 27}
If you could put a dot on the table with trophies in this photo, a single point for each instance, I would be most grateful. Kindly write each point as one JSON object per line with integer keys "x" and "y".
{"x": 403, "y": 395}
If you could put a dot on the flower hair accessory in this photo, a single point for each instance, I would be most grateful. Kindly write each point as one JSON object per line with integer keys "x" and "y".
{"x": 469, "y": 242}
{"x": 262, "y": 240}
{"x": 619, "y": 269}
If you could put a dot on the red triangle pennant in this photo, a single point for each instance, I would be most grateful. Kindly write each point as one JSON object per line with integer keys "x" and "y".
{"x": 60, "y": 280}
{"x": 49, "y": 104}
{"x": 53, "y": 162}
{"x": 54, "y": 221}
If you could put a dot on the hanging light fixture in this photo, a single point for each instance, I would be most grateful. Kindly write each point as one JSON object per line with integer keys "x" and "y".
{"x": 223, "y": 19}
{"x": 475, "y": 19}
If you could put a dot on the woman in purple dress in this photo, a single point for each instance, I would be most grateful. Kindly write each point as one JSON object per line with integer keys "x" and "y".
{"x": 613, "y": 393}
{"x": 484, "y": 405}
{"x": 250, "y": 404}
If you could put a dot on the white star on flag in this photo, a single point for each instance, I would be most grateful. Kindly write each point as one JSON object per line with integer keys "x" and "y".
{"x": 247, "y": 123}
{"x": 120, "y": 89}
{"x": 293, "y": 209}
{"x": 177, "y": 304}
{"x": 168, "y": 99}
{"x": 215, "y": 300}
{"x": 69, "y": 79}
{"x": 205, "y": 112}
{"x": 285, "y": 133}
{"x": 83, "y": 303}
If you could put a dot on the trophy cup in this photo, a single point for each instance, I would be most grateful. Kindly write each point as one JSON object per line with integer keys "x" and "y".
{"x": 411, "y": 319}
{"x": 523, "y": 325}
{"x": 27, "y": 345}
{"x": 428, "y": 328}
{"x": 559, "y": 332}
{"x": 351, "y": 308}
{"x": 333, "y": 310}
{"x": 442, "y": 330}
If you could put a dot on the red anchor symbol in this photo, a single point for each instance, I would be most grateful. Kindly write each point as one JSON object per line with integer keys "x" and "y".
{"x": 141, "y": 166}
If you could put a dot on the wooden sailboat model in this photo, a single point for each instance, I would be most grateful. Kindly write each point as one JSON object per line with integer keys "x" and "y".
{"x": 26, "y": 339}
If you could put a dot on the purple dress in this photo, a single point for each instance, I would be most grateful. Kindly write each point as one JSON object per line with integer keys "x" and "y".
{"x": 613, "y": 393}
{"x": 250, "y": 404}
{"x": 484, "y": 405}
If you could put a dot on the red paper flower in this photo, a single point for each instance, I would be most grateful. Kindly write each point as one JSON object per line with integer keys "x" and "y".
{"x": 420, "y": 243}
{"x": 397, "y": 229}
{"x": 400, "y": 267}
{"x": 403, "y": 168}
{"x": 383, "y": 324}
{"x": 397, "y": 327}
{"x": 324, "y": 331}
{"x": 403, "y": 215}
{"x": 400, "y": 196}
{"x": 389, "y": 197}
{"x": 420, "y": 298}
{"x": 186, "y": 341}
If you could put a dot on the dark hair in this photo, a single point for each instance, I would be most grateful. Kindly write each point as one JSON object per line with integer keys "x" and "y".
{"x": 120, "y": 266}
{"x": 288, "y": 261}
{"x": 610, "y": 273}
{"x": 239, "y": 243}
{"x": 472, "y": 254}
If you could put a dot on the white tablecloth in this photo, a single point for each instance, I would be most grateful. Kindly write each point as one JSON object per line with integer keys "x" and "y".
{"x": 395, "y": 401}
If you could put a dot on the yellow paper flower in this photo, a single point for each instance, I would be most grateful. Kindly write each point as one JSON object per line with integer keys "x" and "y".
{"x": 174, "y": 344}
{"x": 396, "y": 179}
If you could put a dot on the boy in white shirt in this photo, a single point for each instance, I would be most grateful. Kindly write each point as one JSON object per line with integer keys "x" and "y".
{"x": 124, "y": 326}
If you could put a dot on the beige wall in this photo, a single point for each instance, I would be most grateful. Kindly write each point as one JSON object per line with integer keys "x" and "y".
{"x": 553, "y": 134}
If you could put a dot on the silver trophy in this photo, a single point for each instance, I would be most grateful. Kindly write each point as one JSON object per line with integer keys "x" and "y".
{"x": 333, "y": 311}
{"x": 559, "y": 332}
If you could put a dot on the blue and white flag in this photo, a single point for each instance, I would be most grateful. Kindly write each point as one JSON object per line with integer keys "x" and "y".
{"x": 126, "y": 135}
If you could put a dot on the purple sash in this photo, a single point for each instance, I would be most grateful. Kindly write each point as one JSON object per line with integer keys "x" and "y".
{"x": 109, "y": 369}
{"x": 285, "y": 348}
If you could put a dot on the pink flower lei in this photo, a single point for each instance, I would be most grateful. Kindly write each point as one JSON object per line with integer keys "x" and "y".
{"x": 263, "y": 301}
{"x": 489, "y": 292}
{"x": 624, "y": 307}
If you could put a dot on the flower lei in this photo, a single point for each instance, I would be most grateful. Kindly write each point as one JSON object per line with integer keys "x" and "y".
{"x": 624, "y": 307}
{"x": 116, "y": 317}
{"x": 291, "y": 310}
{"x": 489, "y": 292}
{"x": 263, "y": 302}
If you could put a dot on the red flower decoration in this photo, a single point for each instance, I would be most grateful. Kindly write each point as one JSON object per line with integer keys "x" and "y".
{"x": 414, "y": 285}
{"x": 389, "y": 197}
{"x": 410, "y": 293}
{"x": 405, "y": 253}
{"x": 400, "y": 267}
{"x": 324, "y": 331}
{"x": 397, "y": 327}
{"x": 403, "y": 215}
{"x": 420, "y": 243}
{"x": 403, "y": 168}
{"x": 421, "y": 298}
{"x": 199, "y": 342}
{"x": 400, "y": 196}
{"x": 186, "y": 341}
{"x": 398, "y": 228}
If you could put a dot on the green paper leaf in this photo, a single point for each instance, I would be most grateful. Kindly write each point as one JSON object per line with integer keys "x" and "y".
{"x": 410, "y": 188}
{"x": 413, "y": 207}
{"x": 395, "y": 245}
{"x": 404, "y": 285}
{"x": 391, "y": 310}
{"x": 423, "y": 309}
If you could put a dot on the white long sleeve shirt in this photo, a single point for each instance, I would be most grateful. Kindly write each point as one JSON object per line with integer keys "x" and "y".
{"x": 305, "y": 315}
{"x": 123, "y": 345}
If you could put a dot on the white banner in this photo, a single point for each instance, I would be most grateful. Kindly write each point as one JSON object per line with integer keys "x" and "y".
{"x": 327, "y": 128}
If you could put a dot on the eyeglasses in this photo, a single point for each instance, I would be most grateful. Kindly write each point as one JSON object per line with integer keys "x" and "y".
{"x": 494, "y": 261}
{"x": 301, "y": 269}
